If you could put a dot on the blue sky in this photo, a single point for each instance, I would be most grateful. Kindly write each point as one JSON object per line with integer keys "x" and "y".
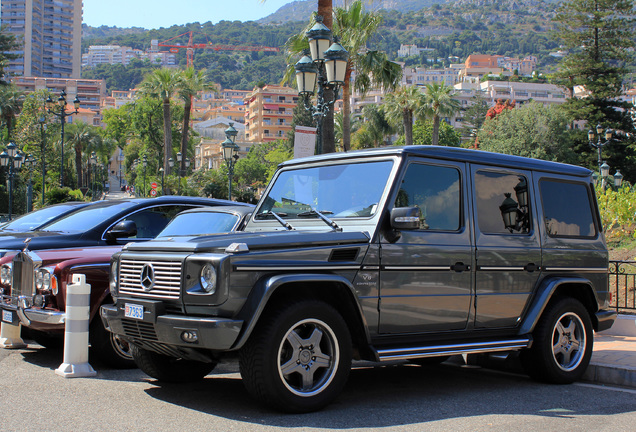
{"x": 152, "y": 14}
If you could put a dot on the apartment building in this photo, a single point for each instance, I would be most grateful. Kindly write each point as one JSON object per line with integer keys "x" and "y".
{"x": 268, "y": 113}
{"x": 109, "y": 54}
{"x": 208, "y": 154}
{"x": 90, "y": 92}
{"x": 421, "y": 76}
{"x": 50, "y": 33}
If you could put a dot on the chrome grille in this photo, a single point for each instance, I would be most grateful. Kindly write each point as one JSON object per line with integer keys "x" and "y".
{"x": 167, "y": 278}
{"x": 22, "y": 275}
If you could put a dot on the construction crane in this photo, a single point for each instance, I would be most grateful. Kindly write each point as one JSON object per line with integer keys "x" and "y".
{"x": 191, "y": 46}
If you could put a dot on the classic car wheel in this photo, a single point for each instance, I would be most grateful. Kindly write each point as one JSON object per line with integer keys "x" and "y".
{"x": 108, "y": 348}
{"x": 562, "y": 345}
{"x": 298, "y": 358}
{"x": 170, "y": 369}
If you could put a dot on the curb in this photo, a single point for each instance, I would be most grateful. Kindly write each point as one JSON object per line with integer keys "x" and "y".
{"x": 598, "y": 373}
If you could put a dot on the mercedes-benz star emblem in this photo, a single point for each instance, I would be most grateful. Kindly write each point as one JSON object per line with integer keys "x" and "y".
{"x": 147, "y": 277}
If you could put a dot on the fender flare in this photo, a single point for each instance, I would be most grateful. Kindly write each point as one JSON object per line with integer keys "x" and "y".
{"x": 264, "y": 289}
{"x": 544, "y": 294}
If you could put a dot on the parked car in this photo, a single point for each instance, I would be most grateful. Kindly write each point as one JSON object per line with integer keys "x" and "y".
{"x": 38, "y": 218}
{"x": 39, "y": 302}
{"x": 386, "y": 254}
{"x": 108, "y": 222}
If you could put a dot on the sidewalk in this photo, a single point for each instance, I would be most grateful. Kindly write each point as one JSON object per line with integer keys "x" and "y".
{"x": 613, "y": 361}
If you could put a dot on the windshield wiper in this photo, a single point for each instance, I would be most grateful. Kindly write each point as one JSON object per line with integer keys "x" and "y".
{"x": 322, "y": 216}
{"x": 278, "y": 218}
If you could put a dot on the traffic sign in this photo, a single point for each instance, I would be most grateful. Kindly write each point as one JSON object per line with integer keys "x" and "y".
{"x": 153, "y": 192}
{"x": 153, "y": 185}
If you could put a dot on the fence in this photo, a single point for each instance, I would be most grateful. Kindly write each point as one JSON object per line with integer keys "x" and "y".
{"x": 622, "y": 285}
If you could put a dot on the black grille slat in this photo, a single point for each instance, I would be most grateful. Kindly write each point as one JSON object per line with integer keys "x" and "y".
{"x": 344, "y": 254}
{"x": 139, "y": 330}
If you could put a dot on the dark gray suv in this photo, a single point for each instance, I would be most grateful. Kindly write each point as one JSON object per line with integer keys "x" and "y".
{"x": 412, "y": 253}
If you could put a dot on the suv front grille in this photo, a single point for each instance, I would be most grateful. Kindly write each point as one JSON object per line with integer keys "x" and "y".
{"x": 139, "y": 329}
{"x": 166, "y": 281}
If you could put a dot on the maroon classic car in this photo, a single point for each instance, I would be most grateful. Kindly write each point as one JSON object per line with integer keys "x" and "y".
{"x": 33, "y": 283}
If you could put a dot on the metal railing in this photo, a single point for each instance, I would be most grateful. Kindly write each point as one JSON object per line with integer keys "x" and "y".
{"x": 622, "y": 285}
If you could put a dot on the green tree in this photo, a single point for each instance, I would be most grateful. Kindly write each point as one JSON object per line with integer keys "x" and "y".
{"x": 85, "y": 139}
{"x": 374, "y": 130}
{"x": 423, "y": 134}
{"x": 401, "y": 106}
{"x": 438, "y": 102}
{"x": 162, "y": 84}
{"x": 8, "y": 44}
{"x": 190, "y": 84}
{"x": 11, "y": 99}
{"x": 475, "y": 114}
{"x": 532, "y": 130}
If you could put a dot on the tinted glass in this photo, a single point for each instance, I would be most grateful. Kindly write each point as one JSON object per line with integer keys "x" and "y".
{"x": 492, "y": 189}
{"x": 37, "y": 218}
{"x": 345, "y": 190}
{"x": 88, "y": 218}
{"x": 435, "y": 190}
{"x": 567, "y": 209}
{"x": 150, "y": 222}
{"x": 200, "y": 223}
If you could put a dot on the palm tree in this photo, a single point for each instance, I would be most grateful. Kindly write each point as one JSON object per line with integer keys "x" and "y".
{"x": 163, "y": 83}
{"x": 401, "y": 106}
{"x": 190, "y": 84}
{"x": 373, "y": 69}
{"x": 84, "y": 138}
{"x": 10, "y": 104}
{"x": 438, "y": 102}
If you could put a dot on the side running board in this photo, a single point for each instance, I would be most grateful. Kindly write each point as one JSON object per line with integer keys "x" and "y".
{"x": 440, "y": 350}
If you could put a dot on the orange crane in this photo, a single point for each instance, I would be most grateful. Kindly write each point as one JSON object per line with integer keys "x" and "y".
{"x": 190, "y": 47}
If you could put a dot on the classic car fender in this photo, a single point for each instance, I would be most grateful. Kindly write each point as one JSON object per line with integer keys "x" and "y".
{"x": 545, "y": 292}
{"x": 263, "y": 291}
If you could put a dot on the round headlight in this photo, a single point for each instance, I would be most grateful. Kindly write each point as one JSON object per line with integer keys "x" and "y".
{"x": 112, "y": 280}
{"x": 38, "y": 279}
{"x": 42, "y": 279}
{"x": 5, "y": 274}
{"x": 208, "y": 278}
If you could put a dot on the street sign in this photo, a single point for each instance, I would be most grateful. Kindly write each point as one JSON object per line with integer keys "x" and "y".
{"x": 153, "y": 192}
{"x": 153, "y": 185}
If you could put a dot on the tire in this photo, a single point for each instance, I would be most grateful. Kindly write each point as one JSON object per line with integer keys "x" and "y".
{"x": 298, "y": 358}
{"x": 170, "y": 369}
{"x": 108, "y": 348}
{"x": 562, "y": 346}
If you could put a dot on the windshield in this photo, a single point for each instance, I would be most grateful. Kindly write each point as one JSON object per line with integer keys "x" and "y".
{"x": 37, "y": 218}
{"x": 200, "y": 223}
{"x": 88, "y": 218}
{"x": 339, "y": 191}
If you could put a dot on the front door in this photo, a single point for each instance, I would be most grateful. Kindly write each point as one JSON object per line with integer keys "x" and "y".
{"x": 426, "y": 274}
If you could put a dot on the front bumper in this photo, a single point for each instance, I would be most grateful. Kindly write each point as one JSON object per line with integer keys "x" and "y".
{"x": 605, "y": 319}
{"x": 160, "y": 328}
{"x": 29, "y": 316}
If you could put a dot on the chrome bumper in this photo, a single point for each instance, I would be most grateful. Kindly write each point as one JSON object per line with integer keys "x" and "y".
{"x": 28, "y": 314}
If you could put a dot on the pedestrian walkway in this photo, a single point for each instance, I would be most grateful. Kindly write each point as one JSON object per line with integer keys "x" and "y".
{"x": 613, "y": 361}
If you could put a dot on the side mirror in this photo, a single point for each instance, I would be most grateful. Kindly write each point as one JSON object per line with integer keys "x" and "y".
{"x": 123, "y": 229}
{"x": 405, "y": 218}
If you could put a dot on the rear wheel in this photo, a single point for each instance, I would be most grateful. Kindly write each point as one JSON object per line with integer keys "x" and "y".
{"x": 170, "y": 369}
{"x": 562, "y": 346}
{"x": 298, "y": 358}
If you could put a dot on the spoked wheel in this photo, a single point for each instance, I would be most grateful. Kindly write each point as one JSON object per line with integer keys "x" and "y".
{"x": 108, "y": 348}
{"x": 562, "y": 345}
{"x": 298, "y": 359}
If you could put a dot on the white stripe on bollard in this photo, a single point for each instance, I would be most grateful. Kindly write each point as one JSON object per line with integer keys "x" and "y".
{"x": 78, "y": 296}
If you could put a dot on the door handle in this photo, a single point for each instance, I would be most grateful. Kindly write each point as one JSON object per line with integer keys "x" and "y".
{"x": 532, "y": 267}
{"x": 460, "y": 267}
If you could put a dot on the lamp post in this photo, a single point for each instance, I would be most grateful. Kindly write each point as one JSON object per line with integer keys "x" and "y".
{"x": 93, "y": 162}
{"x": 604, "y": 174}
{"x": 42, "y": 121}
{"x": 326, "y": 67}
{"x": 162, "y": 171}
{"x": 598, "y": 145}
{"x": 230, "y": 154}
{"x": 11, "y": 159}
{"x": 29, "y": 162}
{"x": 62, "y": 114}
{"x": 171, "y": 163}
{"x": 145, "y": 164}
{"x": 179, "y": 158}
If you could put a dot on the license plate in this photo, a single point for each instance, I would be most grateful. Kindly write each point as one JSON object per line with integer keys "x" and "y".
{"x": 7, "y": 316}
{"x": 134, "y": 311}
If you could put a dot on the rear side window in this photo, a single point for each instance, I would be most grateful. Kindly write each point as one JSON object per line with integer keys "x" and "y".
{"x": 567, "y": 209}
{"x": 497, "y": 191}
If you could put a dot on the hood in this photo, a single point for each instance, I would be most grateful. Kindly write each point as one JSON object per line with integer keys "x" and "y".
{"x": 39, "y": 240}
{"x": 254, "y": 241}
{"x": 88, "y": 255}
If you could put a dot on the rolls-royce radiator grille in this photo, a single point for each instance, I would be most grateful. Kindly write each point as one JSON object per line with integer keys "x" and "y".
{"x": 151, "y": 279}
{"x": 22, "y": 273}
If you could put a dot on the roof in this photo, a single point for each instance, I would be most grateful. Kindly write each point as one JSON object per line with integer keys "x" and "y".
{"x": 452, "y": 153}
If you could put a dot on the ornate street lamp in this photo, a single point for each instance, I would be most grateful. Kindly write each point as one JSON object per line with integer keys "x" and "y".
{"x": 598, "y": 145}
{"x": 12, "y": 160}
{"x": 179, "y": 159}
{"x": 171, "y": 163}
{"x": 326, "y": 67}
{"x": 29, "y": 163}
{"x": 162, "y": 171}
{"x": 230, "y": 154}
{"x": 93, "y": 162}
{"x": 42, "y": 121}
{"x": 145, "y": 164}
{"x": 62, "y": 114}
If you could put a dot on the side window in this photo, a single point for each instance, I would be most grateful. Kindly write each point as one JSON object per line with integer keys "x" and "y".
{"x": 150, "y": 222}
{"x": 502, "y": 203}
{"x": 435, "y": 190}
{"x": 567, "y": 209}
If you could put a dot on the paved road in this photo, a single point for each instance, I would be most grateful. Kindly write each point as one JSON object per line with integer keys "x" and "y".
{"x": 395, "y": 398}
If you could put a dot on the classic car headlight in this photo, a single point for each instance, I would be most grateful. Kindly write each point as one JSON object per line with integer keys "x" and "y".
{"x": 112, "y": 280}
{"x": 208, "y": 278}
{"x": 5, "y": 274}
{"x": 45, "y": 281}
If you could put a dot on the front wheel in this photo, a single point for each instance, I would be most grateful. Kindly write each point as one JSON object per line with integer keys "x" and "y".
{"x": 298, "y": 358}
{"x": 562, "y": 346}
{"x": 108, "y": 348}
{"x": 169, "y": 369}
